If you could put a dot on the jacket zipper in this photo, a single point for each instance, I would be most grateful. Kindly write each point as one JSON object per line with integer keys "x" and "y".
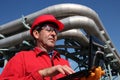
{"x": 52, "y": 64}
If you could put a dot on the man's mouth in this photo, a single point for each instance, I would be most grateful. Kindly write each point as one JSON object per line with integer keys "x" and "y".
{"x": 53, "y": 40}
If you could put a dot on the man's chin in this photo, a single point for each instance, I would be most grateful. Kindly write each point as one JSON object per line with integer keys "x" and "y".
{"x": 51, "y": 45}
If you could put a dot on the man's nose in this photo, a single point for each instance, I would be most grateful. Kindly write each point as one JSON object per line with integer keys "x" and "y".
{"x": 53, "y": 34}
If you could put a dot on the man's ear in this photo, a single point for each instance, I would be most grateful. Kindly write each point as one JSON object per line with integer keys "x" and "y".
{"x": 36, "y": 34}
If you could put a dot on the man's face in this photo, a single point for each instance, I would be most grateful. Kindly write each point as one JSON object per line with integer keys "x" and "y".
{"x": 46, "y": 37}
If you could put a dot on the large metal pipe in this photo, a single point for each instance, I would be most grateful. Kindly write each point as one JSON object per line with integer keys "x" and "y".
{"x": 85, "y": 23}
{"x": 74, "y": 34}
{"x": 10, "y": 27}
{"x": 15, "y": 39}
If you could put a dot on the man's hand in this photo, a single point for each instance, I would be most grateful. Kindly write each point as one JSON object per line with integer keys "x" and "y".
{"x": 52, "y": 71}
{"x": 95, "y": 75}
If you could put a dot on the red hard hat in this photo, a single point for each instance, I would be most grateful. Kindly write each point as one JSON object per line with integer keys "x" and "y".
{"x": 46, "y": 18}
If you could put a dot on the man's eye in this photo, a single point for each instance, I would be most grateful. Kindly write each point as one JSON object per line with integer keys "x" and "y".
{"x": 48, "y": 29}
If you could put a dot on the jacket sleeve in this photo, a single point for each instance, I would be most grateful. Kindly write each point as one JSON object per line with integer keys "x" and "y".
{"x": 15, "y": 70}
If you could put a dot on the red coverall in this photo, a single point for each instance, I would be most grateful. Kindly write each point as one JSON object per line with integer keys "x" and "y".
{"x": 25, "y": 65}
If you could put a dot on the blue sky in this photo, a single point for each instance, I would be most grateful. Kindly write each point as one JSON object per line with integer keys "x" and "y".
{"x": 108, "y": 11}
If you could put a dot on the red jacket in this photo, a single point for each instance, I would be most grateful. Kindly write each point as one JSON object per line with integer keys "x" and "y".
{"x": 25, "y": 65}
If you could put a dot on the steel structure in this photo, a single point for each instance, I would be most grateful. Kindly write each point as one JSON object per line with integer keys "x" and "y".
{"x": 80, "y": 21}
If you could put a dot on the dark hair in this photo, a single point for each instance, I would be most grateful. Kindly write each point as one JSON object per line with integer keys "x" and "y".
{"x": 37, "y": 28}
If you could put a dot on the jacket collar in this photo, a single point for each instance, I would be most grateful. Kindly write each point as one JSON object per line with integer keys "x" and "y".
{"x": 38, "y": 52}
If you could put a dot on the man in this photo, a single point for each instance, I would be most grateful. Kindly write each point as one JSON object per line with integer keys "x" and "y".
{"x": 42, "y": 63}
